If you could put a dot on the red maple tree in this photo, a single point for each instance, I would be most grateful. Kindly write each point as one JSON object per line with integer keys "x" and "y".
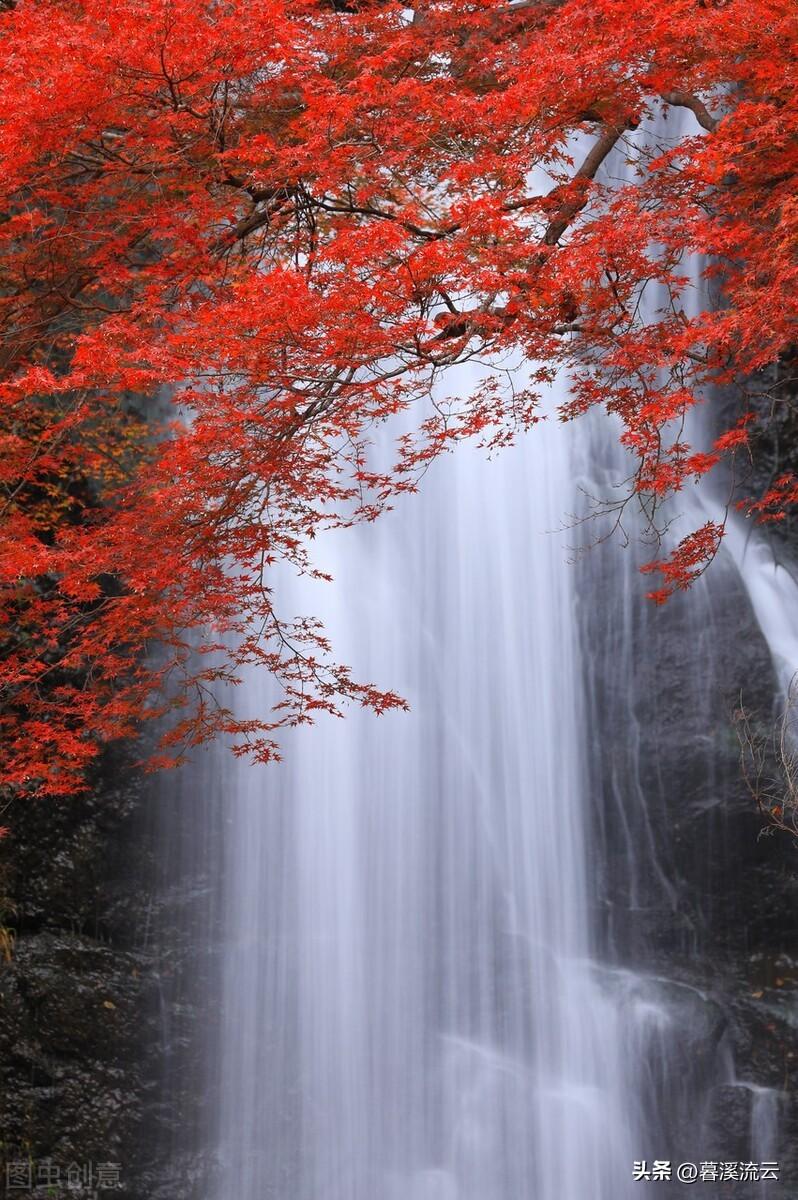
{"x": 288, "y": 217}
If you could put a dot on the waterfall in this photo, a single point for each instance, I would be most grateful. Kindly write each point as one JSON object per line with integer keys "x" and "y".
{"x": 772, "y": 589}
{"x": 410, "y": 1011}
{"x": 456, "y": 948}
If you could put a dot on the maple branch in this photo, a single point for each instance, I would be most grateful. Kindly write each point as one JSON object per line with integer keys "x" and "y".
{"x": 337, "y": 206}
{"x": 586, "y": 172}
{"x": 256, "y": 220}
{"x": 685, "y": 100}
{"x": 464, "y": 325}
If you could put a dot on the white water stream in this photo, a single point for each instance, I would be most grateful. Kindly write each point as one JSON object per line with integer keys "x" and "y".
{"x": 413, "y": 1006}
{"x": 410, "y": 1011}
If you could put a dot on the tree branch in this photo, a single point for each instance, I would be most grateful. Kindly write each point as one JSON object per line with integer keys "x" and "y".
{"x": 586, "y": 172}
{"x": 685, "y": 100}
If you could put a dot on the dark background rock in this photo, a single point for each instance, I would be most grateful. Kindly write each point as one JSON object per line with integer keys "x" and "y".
{"x": 80, "y": 1039}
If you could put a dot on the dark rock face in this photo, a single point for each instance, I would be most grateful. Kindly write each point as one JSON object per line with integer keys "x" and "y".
{"x": 70, "y": 1048}
{"x": 79, "y": 1042}
{"x": 107, "y": 937}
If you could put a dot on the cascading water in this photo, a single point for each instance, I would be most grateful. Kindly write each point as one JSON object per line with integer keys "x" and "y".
{"x": 409, "y": 1008}
{"x": 453, "y": 942}
{"x": 773, "y": 592}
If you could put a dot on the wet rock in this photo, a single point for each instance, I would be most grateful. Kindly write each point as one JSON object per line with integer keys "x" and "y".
{"x": 77, "y": 1039}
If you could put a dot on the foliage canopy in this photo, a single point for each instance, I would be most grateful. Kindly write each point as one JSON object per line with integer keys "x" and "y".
{"x": 289, "y": 217}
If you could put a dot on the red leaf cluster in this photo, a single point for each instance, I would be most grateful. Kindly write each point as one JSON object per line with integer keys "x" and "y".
{"x": 288, "y": 218}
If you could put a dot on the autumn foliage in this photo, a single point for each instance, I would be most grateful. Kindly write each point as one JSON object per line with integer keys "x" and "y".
{"x": 236, "y": 237}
